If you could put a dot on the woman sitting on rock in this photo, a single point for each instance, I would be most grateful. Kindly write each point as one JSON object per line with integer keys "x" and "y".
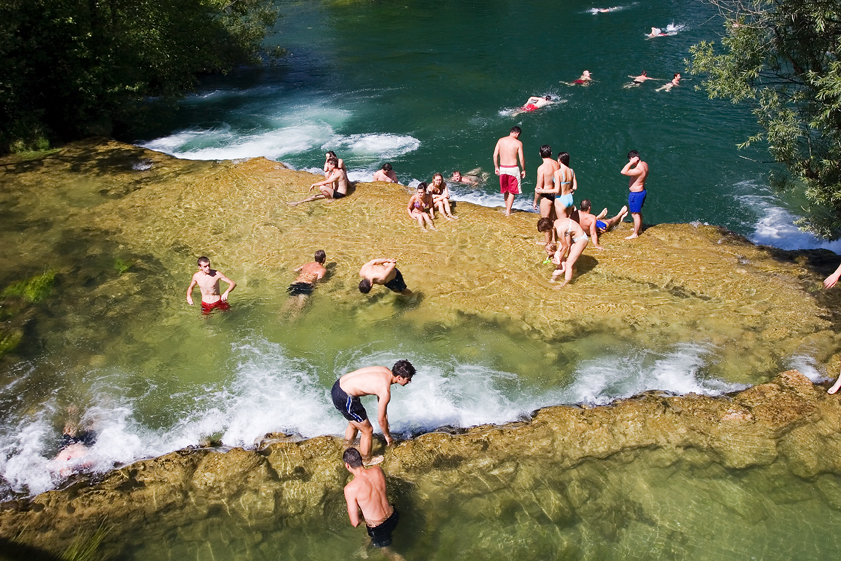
{"x": 440, "y": 197}
{"x": 420, "y": 207}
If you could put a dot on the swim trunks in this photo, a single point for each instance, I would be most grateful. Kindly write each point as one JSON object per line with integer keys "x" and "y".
{"x": 337, "y": 195}
{"x": 566, "y": 200}
{"x": 298, "y": 288}
{"x": 635, "y": 201}
{"x": 397, "y": 284}
{"x": 601, "y": 225}
{"x": 509, "y": 179}
{"x": 579, "y": 81}
{"x": 381, "y": 535}
{"x": 529, "y": 107}
{"x": 220, "y": 305}
{"x": 547, "y": 196}
{"x": 348, "y": 405}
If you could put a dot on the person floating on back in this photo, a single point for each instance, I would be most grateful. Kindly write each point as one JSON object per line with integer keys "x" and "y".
{"x": 208, "y": 281}
{"x": 371, "y": 380}
{"x": 384, "y": 272}
{"x": 508, "y": 149}
{"x": 367, "y": 493}
{"x": 637, "y": 170}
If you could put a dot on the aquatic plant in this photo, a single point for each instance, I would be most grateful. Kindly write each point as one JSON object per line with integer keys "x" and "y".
{"x": 86, "y": 547}
{"x": 33, "y": 289}
{"x": 122, "y": 266}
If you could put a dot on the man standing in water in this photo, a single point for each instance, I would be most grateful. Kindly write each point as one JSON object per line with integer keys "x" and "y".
{"x": 384, "y": 272}
{"x": 208, "y": 281}
{"x": 371, "y": 380}
{"x": 367, "y": 493}
{"x": 508, "y": 149}
{"x": 637, "y": 170}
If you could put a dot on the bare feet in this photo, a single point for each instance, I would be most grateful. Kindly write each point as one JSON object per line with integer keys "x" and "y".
{"x": 560, "y": 286}
{"x": 602, "y": 214}
{"x": 623, "y": 212}
{"x": 632, "y": 236}
{"x": 372, "y": 461}
{"x": 835, "y": 387}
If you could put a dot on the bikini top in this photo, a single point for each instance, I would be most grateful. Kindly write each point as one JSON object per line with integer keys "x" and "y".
{"x": 566, "y": 182}
{"x": 419, "y": 205}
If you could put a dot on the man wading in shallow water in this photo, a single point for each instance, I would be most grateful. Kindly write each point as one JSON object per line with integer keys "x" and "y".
{"x": 506, "y": 152}
{"x": 367, "y": 493}
{"x": 208, "y": 281}
{"x": 371, "y": 380}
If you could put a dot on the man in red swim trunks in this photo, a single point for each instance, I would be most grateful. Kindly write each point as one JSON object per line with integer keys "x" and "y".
{"x": 208, "y": 281}
{"x": 508, "y": 150}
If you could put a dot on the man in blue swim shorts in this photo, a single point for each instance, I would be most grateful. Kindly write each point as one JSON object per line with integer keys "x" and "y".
{"x": 594, "y": 225}
{"x": 637, "y": 170}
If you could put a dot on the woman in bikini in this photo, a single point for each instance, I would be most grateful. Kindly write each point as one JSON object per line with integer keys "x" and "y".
{"x": 565, "y": 179}
{"x": 440, "y": 197}
{"x": 571, "y": 243}
{"x": 419, "y": 205}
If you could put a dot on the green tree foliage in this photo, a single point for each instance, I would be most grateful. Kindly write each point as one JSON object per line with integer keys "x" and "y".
{"x": 782, "y": 58}
{"x": 72, "y": 68}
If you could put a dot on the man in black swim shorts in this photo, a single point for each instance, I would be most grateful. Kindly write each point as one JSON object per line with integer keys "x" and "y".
{"x": 308, "y": 275}
{"x": 384, "y": 272}
{"x": 367, "y": 493}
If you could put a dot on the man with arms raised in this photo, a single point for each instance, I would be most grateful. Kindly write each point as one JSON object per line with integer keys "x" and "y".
{"x": 208, "y": 281}
{"x": 371, "y": 380}
{"x": 367, "y": 493}
{"x": 508, "y": 150}
{"x": 546, "y": 190}
{"x": 594, "y": 224}
{"x": 637, "y": 170}
{"x": 384, "y": 272}
{"x": 334, "y": 187}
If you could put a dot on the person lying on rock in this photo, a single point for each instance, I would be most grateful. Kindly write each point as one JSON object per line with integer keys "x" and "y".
{"x": 370, "y": 380}
{"x": 594, "y": 225}
{"x": 367, "y": 493}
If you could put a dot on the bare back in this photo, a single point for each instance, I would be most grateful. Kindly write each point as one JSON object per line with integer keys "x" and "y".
{"x": 368, "y": 492}
{"x": 508, "y": 148}
{"x": 545, "y": 176}
{"x": 371, "y": 380}
{"x": 311, "y": 272}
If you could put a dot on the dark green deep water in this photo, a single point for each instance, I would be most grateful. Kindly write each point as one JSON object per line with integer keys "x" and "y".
{"x": 427, "y": 86}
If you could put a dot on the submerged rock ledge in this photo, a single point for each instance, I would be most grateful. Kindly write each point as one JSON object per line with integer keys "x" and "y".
{"x": 294, "y": 484}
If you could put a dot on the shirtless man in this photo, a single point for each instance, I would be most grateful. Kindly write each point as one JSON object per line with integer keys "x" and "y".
{"x": 583, "y": 80}
{"x": 637, "y": 170}
{"x": 308, "y": 274}
{"x": 327, "y": 157}
{"x": 546, "y": 190}
{"x": 656, "y": 32}
{"x": 386, "y": 174}
{"x": 366, "y": 493}
{"x": 669, "y": 85}
{"x": 637, "y": 80}
{"x": 384, "y": 272}
{"x": 468, "y": 179}
{"x": 208, "y": 281}
{"x": 829, "y": 282}
{"x": 594, "y": 224}
{"x": 334, "y": 187}
{"x": 533, "y": 104}
{"x": 370, "y": 380}
{"x": 506, "y": 152}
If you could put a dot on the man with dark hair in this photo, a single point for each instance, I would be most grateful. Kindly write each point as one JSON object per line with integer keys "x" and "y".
{"x": 386, "y": 174}
{"x": 594, "y": 225}
{"x": 637, "y": 170}
{"x": 208, "y": 281}
{"x": 371, "y": 380}
{"x": 308, "y": 275}
{"x": 334, "y": 187}
{"x": 384, "y": 272}
{"x": 546, "y": 189}
{"x": 508, "y": 149}
{"x": 367, "y": 493}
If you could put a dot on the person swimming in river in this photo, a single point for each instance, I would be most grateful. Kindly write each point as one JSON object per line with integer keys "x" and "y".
{"x": 670, "y": 30}
{"x": 584, "y": 80}
{"x": 74, "y": 446}
{"x": 386, "y": 174}
{"x": 468, "y": 179}
{"x": 637, "y": 81}
{"x": 533, "y": 104}
{"x": 420, "y": 207}
{"x": 675, "y": 81}
{"x": 440, "y": 197}
{"x": 308, "y": 275}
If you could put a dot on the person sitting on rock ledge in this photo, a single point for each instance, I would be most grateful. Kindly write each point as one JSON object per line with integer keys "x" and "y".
{"x": 332, "y": 188}
{"x": 367, "y": 493}
{"x": 371, "y": 380}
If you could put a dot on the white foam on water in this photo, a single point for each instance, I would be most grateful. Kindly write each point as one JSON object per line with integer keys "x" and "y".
{"x": 380, "y": 146}
{"x": 776, "y": 227}
{"x": 269, "y": 392}
{"x": 806, "y": 365}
